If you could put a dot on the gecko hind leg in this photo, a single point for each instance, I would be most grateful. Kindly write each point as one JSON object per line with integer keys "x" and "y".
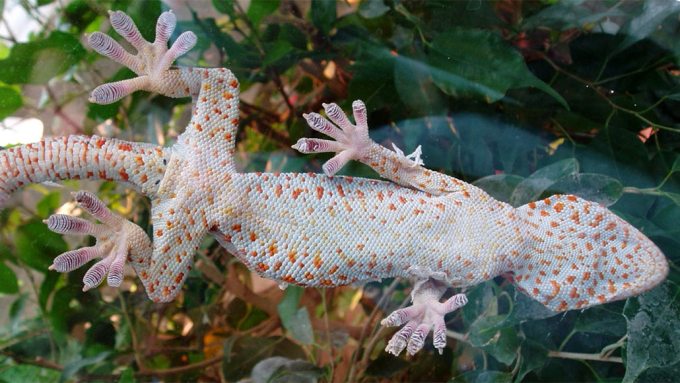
{"x": 425, "y": 314}
{"x": 116, "y": 238}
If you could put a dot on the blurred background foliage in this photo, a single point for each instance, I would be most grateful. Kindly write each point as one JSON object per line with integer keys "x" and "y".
{"x": 523, "y": 98}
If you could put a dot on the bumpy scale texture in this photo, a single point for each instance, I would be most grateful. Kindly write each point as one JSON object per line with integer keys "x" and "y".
{"x": 314, "y": 229}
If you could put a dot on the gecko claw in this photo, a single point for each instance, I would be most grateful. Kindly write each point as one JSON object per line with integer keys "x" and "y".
{"x": 151, "y": 60}
{"x": 350, "y": 141}
{"x": 426, "y": 314}
{"x": 114, "y": 236}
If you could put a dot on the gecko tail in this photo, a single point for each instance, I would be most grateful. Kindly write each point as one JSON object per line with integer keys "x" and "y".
{"x": 80, "y": 157}
{"x": 578, "y": 254}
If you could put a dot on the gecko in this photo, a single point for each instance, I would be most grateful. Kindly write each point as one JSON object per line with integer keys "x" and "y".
{"x": 318, "y": 230}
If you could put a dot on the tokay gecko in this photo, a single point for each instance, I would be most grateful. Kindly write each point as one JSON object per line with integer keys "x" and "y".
{"x": 315, "y": 229}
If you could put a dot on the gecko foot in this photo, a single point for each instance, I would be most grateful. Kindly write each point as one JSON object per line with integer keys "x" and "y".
{"x": 116, "y": 237}
{"x": 351, "y": 140}
{"x": 425, "y": 314}
{"x": 151, "y": 61}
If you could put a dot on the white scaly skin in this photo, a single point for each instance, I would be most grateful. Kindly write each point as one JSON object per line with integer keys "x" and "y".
{"x": 317, "y": 230}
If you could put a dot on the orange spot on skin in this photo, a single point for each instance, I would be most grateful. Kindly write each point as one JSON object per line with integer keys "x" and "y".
{"x": 319, "y": 192}
{"x": 278, "y": 190}
{"x": 571, "y": 198}
{"x": 272, "y": 250}
{"x": 317, "y": 261}
{"x": 589, "y": 246}
{"x": 571, "y": 279}
{"x": 380, "y": 196}
{"x": 612, "y": 288}
{"x": 392, "y": 207}
{"x": 236, "y": 228}
{"x": 573, "y": 294}
{"x": 341, "y": 191}
{"x": 309, "y": 276}
{"x": 125, "y": 147}
{"x": 563, "y": 306}
{"x": 556, "y": 287}
{"x": 292, "y": 256}
{"x": 547, "y": 201}
{"x": 253, "y": 236}
{"x": 179, "y": 277}
{"x": 333, "y": 269}
{"x": 123, "y": 174}
{"x": 559, "y": 207}
{"x": 262, "y": 267}
{"x": 544, "y": 213}
{"x": 532, "y": 205}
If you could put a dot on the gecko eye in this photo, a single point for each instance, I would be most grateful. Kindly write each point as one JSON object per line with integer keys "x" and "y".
{"x": 165, "y": 162}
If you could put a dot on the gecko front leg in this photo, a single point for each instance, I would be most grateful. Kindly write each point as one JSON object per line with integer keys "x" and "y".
{"x": 425, "y": 314}
{"x": 353, "y": 143}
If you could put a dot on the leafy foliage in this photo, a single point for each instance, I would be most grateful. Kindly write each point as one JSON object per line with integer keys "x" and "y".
{"x": 525, "y": 99}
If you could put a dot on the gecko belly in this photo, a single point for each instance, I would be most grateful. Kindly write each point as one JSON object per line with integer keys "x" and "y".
{"x": 314, "y": 230}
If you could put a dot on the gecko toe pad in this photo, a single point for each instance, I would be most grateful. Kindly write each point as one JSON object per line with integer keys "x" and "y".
{"x": 426, "y": 314}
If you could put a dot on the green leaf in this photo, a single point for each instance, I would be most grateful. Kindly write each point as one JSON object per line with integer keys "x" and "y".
{"x": 592, "y": 187}
{"x": 413, "y": 81}
{"x": 534, "y": 357}
{"x": 48, "y": 204}
{"x": 8, "y": 280}
{"x": 371, "y": 9}
{"x": 499, "y": 186}
{"x": 37, "y": 246}
{"x": 260, "y": 9}
{"x": 28, "y": 373}
{"x": 534, "y": 185}
{"x": 10, "y": 101}
{"x": 295, "y": 320}
{"x": 483, "y": 377}
{"x": 569, "y": 14}
{"x": 478, "y": 63}
{"x": 225, "y": 6}
{"x": 281, "y": 369}
{"x": 601, "y": 320}
{"x": 277, "y": 51}
{"x": 127, "y": 376}
{"x": 323, "y": 14}
{"x": 676, "y": 165}
{"x": 38, "y": 61}
{"x": 242, "y": 353}
{"x": 72, "y": 368}
{"x": 373, "y": 82}
{"x": 653, "y": 331}
{"x": 654, "y": 12}
{"x": 489, "y": 334}
{"x": 675, "y": 197}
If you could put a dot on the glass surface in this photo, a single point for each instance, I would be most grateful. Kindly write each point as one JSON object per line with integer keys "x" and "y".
{"x": 524, "y": 99}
